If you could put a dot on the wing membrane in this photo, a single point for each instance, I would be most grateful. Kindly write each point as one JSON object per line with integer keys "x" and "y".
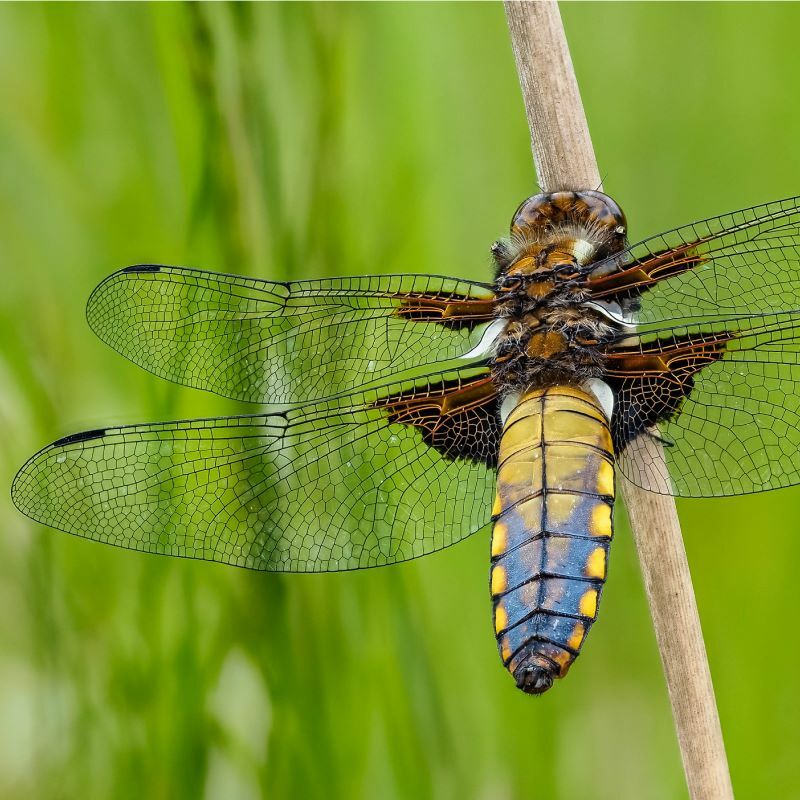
{"x": 736, "y": 264}
{"x": 738, "y": 431}
{"x": 281, "y": 343}
{"x": 329, "y": 486}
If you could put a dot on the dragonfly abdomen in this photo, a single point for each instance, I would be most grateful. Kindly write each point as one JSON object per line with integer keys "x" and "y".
{"x": 552, "y": 529}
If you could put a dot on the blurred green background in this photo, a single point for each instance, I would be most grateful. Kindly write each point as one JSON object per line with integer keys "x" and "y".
{"x": 306, "y": 140}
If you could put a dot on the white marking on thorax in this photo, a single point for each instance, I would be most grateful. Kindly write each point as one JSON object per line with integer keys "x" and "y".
{"x": 583, "y": 251}
{"x": 490, "y": 336}
{"x": 613, "y": 311}
{"x": 602, "y": 391}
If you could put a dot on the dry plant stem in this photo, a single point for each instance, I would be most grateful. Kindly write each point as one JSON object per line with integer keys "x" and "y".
{"x": 562, "y": 147}
{"x": 656, "y": 529}
{"x": 564, "y": 158}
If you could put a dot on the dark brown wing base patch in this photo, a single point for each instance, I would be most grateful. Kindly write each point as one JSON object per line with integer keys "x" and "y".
{"x": 652, "y": 380}
{"x": 452, "y": 310}
{"x": 458, "y": 418}
{"x": 632, "y": 279}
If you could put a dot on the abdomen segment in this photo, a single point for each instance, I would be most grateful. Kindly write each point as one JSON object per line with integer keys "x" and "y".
{"x": 552, "y": 529}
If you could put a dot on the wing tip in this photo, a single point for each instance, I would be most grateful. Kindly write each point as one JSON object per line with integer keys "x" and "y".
{"x": 108, "y": 284}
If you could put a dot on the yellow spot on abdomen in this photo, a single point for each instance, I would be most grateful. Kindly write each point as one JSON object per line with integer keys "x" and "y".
{"x": 600, "y": 523}
{"x": 505, "y": 650}
{"x": 605, "y": 479}
{"x": 596, "y": 564}
{"x": 497, "y": 507}
{"x": 500, "y": 618}
{"x": 499, "y": 539}
{"x": 576, "y": 638}
{"x": 499, "y": 580}
{"x": 588, "y": 604}
{"x": 563, "y": 659}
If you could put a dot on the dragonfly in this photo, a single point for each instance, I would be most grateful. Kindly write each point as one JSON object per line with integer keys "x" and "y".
{"x": 400, "y": 414}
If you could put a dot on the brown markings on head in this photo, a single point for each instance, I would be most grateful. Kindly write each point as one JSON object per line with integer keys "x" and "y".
{"x": 557, "y": 228}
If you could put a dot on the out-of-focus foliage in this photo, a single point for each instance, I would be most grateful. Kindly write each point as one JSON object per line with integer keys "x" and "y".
{"x": 301, "y": 141}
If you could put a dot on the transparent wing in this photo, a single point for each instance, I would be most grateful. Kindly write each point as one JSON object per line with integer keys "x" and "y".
{"x": 280, "y": 343}
{"x": 330, "y": 486}
{"x": 744, "y": 262}
{"x": 738, "y": 431}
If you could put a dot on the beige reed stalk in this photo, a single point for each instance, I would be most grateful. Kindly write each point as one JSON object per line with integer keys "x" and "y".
{"x": 564, "y": 159}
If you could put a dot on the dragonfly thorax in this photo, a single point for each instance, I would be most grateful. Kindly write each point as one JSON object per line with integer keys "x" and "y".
{"x": 549, "y": 341}
{"x": 551, "y": 337}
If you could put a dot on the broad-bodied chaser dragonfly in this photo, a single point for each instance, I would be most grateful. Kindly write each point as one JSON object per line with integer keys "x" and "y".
{"x": 406, "y": 412}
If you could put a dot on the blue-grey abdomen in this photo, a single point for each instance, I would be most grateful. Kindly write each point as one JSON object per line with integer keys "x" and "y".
{"x": 552, "y": 530}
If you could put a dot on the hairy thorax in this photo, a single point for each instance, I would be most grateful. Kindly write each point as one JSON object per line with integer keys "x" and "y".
{"x": 552, "y": 334}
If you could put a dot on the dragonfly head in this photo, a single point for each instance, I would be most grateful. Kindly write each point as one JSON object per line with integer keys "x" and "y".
{"x": 585, "y": 226}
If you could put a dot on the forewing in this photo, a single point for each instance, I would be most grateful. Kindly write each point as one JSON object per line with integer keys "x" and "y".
{"x": 745, "y": 262}
{"x": 282, "y": 343}
{"x": 735, "y": 394}
{"x": 329, "y": 486}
